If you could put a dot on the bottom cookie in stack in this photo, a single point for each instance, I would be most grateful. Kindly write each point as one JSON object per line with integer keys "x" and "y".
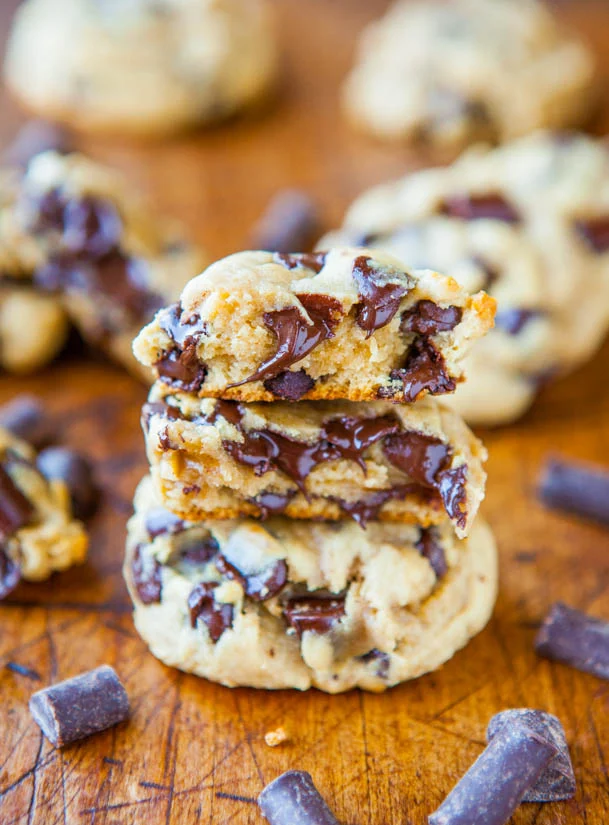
{"x": 300, "y": 604}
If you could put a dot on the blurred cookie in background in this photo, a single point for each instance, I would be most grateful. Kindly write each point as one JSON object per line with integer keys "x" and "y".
{"x": 450, "y": 72}
{"x": 529, "y": 223}
{"x": 143, "y": 67}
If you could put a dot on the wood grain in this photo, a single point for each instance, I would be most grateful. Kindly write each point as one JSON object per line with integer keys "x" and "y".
{"x": 194, "y": 752}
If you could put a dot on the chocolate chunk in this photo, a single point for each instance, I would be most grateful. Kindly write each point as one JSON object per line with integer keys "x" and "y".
{"x": 260, "y": 575}
{"x": 576, "y": 639}
{"x": 203, "y": 609}
{"x": 314, "y": 261}
{"x": 496, "y": 783}
{"x": 379, "y": 297}
{"x": 352, "y": 436}
{"x": 162, "y": 522}
{"x": 229, "y": 410}
{"x": 513, "y": 321}
{"x": 271, "y": 504}
{"x": 426, "y": 318}
{"x": 316, "y": 612}
{"x": 557, "y": 782}
{"x": 91, "y": 226}
{"x": 152, "y": 408}
{"x": 453, "y": 491}
{"x": 35, "y": 137}
{"x": 63, "y": 464}
{"x": 367, "y": 509}
{"x": 80, "y": 706}
{"x": 196, "y": 550}
{"x": 383, "y": 661}
{"x": 429, "y": 547}
{"x": 424, "y": 371}
{"x": 10, "y": 574}
{"x": 296, "y": 335}
{"x": 290, "y": 386}
{"x": 16, "y": 510}
{"x": 146, "y": 575}
{"x": 293, "y": 799}
{"x": 26, "y": 417}
{"x": 46, "y": 212}
{"x": 595, "y": 233}
{"x": 179, "y": 328}
{"x": 475, "y": 207}
{"x": 290, "y": 223}
{"x": 180, "y": 366}
{"x": 576, "y": 489}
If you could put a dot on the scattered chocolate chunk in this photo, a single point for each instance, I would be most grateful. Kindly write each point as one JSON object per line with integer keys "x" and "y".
{"x": 180, "y": 366}
{"x": 10, "y": 574}
{"x": 576, "y": 489}
{"x": 424, "y": 371}
{"x": 379, "y": 297}
{"x": 475, "y": 207}
{"x": 63, "y": 464}
{"x": 290, "y": 386}
{"x": 316, "y": 612}
{"x": 595, "y": 233}
{"x": 453, "y": 490}
{"x": 290, "y": 223}
{"x": 229, "y": 410}
{"x": 296, "y": 335}
{"x": 315, "y": 261}
{"x": 204, "y": 609}
{"x": 80, "y": 706}
{"x": 557, "y": 782}
{"x": 293, "y": 799}
{"x": 261, "y": 575}
{"x": 496, "y": 783}
{"x": 91, "y": 226}
{"x": 162, "y": 522}
{"x": 429, "y": 547}
{"x": 35, "y": 137}
{"x": 196, "y": 550}
{"x": 179, "y": 328}
{"x": 367, "y": 509}
{"x": 426, "y": 318}
{"x": 15, "y": 509}
{"x": 26, "y": 417}
{"x": 272, "y": 504}
{"x": 576, "y": 639}
{"x": 152, "y": 408}
{"x": 383, "y": 661}
{"x": 146, "y": 575}
{"x": 513, "y": 321}
{"x": 352, "y": 436}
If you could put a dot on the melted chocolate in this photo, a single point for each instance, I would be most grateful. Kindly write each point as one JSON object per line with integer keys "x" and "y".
{"x": 260, "y": 576}
{"x": 229, "y": 410}
{"x": 382, "y": 659}
{"x": 475, "y": 207}
{"x": 424, "y": 371}
{"x": 181, "y": 329}
{"x": 16, "y": 510}
{"x": 161, "y": 522}
{"x": 513, "y": 321}
{"x": 92, "y": 227}
{"x": 10, "y": 574}
{"x": 426, "y": 318}
{"x": 180, "y": 366}
{"x": 290, "y": 386}
{"x": 432, "y": 550}
{"x": 152, "y": 408}
{"x": 316, "y": 612}
{"x": 595, "y": 233}
{"x": 75, "y": 471}
{"x": 272, "y": 504}
{"x": 379, "y": 298}
{"x": 352, "y": 436}
{"x": 314, "y": 261}
{"x": 198, "y": 550}
{"x": 367, "y": 509}
{"x": 146, "y": 575}
{"x": 454, "y": 494}
{"x": 203, "y": 608}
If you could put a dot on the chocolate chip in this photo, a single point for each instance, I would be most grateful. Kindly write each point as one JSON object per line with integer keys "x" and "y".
{"x": 26, "y": 417}
{"x": 453, "y": 490}
{"x": 382, "y": 660}
{"x": 16, "y": 510}
{"x": 80, "y": 706}
{"x": 162, "y": 408}
{"x": 496, "y": 783}
{"x": 203, "y": 609}
{"x": 296, "y": 335}
{"x": 426, "y": 318}
{"x": 231, "y": 411}
{"x": 261, "y": 576}
{"x": 91, "y": 226}
{"x": 293, "y": 799}
{"x": 475, "y": 207}
{"x": 47, "y": 212}
{"x": 35, "y": 137}
{"x": 196, "y": 550}
{"x": 146, "y": 575}
{"x": 424, "y": 371}
{"x": 430, "y": 548}
{"x": 179, "y": 328}
{"x": 63, "y": 464}
{"x": 557, "y": 782}
{"x": 352, "y": 436}
{"x": 379, "y": 296}
{"x": 513, "y": 321}
{"x": 10, "y": 574}
{"x": 290, "y": 223}
{"x": 180, "y": 366}
{"x": 290, "y": 386}
{"x": 162, "y": 522}
{"x": 595, "y": 233}
{"x": 576, "y": 639}
{"x": 367, "y": 509}
{"x": 314, "y": 261}
{"x": 576, "y": 489}
{"x": 317, "y": 612}
{"x": 271, "y": 504}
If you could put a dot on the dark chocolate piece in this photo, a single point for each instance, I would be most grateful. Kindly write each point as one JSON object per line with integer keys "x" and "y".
{"x": 514, "y": 321}
{"x": 576, "y": 639}
{"x": 290, "y": 386}
{"x": 424, "y": 371}
{"x": 576, "y": 489}
{"x": 383, "y": 661}
{"x": 453, "y": 491}
{"x": 35, "y": 137}
{"x": 557, "y": 782}
{"x": 15, "y": 509}
{"x": 92, "y": 227}
{"x": 204, "y": 609}
{"x": 432, "y": 550}
{"x": 161, "y": 522}
{"x": 26, "y": 417}
{"x": 260, "y": 575}
{"x": 316, "y": 612}
{"x": 271, "y": 504}
{"x": 146, "y": 575}
{"x": 80, "y": 706}
{"x": 63, "y": 464}
{"x": 10, "y": 574}
{"x": 379, "y": 297}
{"x": 230, "y": 410}
{"x": 426, "y": 318}
{"x": 290, "y": 223}
{"x": 595, "y": 233}
{"x": 180, "y": 366}
{"x": 315, "y": 261}
{"x": 198, "y": 550}
{"x": 152, "y": 408}
{"x": 367, "y": 509}
{"x": 496, "y": 783}
{"x": 352, "y": 436}
{"x": 293, "y": 799}
{"x": 475, "y": 207}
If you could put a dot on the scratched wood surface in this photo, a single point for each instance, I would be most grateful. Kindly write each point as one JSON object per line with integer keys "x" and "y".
{"x": 192, "y": 749}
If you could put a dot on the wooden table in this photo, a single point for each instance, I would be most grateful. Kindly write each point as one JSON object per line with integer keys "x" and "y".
{"x": 195, "y": 752}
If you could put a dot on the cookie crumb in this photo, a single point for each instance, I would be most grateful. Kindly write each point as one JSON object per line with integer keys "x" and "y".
{"x": 276, "y": 737}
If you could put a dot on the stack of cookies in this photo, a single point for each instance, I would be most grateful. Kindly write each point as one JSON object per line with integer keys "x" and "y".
{"x": 328, "y": 538}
